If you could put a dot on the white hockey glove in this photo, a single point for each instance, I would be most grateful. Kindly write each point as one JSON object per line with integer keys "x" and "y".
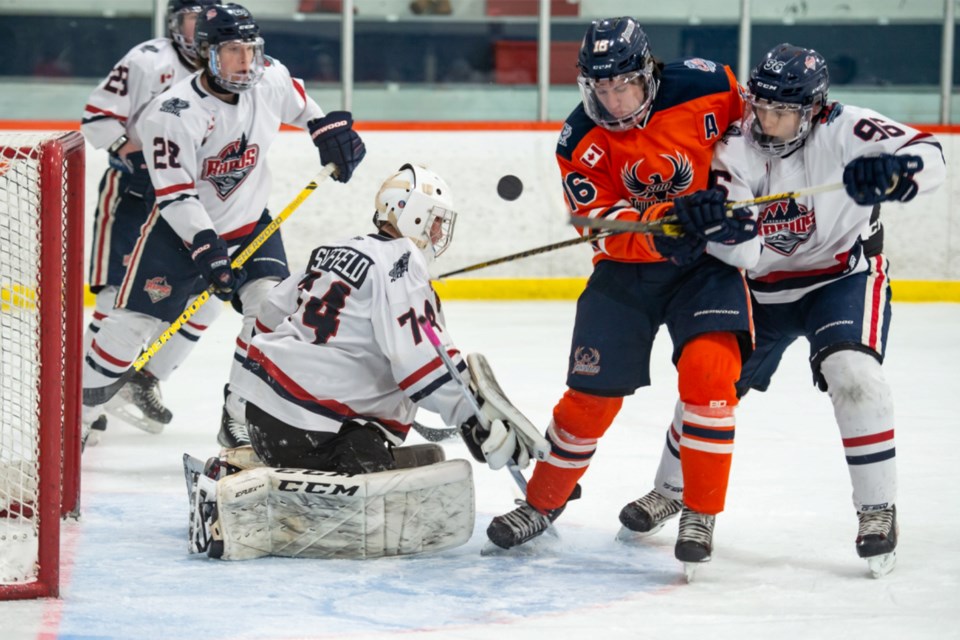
{"x": 496, "y": 446}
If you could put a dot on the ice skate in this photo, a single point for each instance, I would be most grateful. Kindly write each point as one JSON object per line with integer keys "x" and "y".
{"x": 233, "y": 432}
{"x": 877, "y": 540}
{"x": 140, "y": 404}
{"x": 518, "y": 527}
{"x": 92, "y": 427}
{"x": 646, "y": 516}
{"x": 695, "y": 540}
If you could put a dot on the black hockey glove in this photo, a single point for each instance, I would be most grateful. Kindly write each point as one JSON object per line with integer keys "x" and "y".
{"x": 334, "y": 136}
{"x": 138, "y": 182}
{"x": 680, "y": 250}
{"x": 874, "y": 179}
{"x": 209, "y": 252}
{"x": 703, "y": 214}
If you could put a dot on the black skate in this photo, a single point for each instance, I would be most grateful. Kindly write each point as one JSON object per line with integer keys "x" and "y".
{"x": 645, "y": 516}
{"x": 523, "y": 524}
{"x": 877, "y": 540}
{"x": 233, "y": 433}
{"x": 140, "y": 404}
{"x": 91, "y": 433}
{"x": 695, "y": 540}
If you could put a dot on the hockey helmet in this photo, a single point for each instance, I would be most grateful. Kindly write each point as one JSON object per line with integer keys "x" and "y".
{"x": 787, "y": 90}
{"x": 618, "y": 78}
{"x": 417, "y": 202}
{"x": 225, "y": 28}
{"x": 177, "y": 14}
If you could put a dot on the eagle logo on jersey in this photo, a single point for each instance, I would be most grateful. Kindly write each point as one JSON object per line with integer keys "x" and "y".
{"x": 785, "y": 225}
{"x": 656, "y": 188}
{"x": 701, "y": 64}
{"x": 400, "y": 267}
{"x": 231, "y": 166}
{"x": 174, "y": 106}
{"x": 586, "y": 361}
{"x": 565, "y": 135}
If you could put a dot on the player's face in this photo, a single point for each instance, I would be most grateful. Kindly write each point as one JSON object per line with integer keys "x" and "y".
{"x": 621, "y": 98}
{"x": 236, "y": 58}
{"x": 777, "y": 119}
{"x": 436, "y": 230}
{"x": 188, "y": 25}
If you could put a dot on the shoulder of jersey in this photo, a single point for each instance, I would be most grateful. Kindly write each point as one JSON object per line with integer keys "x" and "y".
{"x": 183, "y": 101}
{"x": 688, "y": 79}
{"x": 575, "y": 128}
{"x": 152, "y": 53}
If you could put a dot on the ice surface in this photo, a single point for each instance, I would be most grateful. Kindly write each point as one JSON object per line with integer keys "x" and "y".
{"x": 784, "y": 562}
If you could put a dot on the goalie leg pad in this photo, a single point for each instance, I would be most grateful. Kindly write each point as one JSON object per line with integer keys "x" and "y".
{"x": 300, "y": 513}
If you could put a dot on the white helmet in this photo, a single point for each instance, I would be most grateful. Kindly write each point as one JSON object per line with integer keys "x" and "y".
{"x": 417, "y": 202}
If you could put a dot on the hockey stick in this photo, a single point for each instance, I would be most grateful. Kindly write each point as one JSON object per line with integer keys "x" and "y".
{"x": 434, "y": 434}
{"x": 435, "y": 341}
{"x": 100, "y": 395}
{"x": 668, "y": 225}
{"x": 528, "y": 253}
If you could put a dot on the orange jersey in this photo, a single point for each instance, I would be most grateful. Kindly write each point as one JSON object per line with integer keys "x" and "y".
{"x": 628, "y": 175}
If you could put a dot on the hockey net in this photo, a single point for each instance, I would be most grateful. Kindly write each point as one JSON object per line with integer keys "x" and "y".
{"x": 41, "y": 307}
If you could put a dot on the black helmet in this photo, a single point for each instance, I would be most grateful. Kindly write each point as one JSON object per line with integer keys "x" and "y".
{"x": 616, "y": 51}
{"x": 220, "y": 24}
{"x": 177, "y": 10}
{"x": 788, "y": 79}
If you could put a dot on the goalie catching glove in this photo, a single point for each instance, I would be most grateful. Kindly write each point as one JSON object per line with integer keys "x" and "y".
{"x": 501, "y": 434}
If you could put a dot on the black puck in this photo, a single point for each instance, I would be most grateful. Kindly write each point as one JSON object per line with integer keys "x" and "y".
{"x": 509, "y": 187}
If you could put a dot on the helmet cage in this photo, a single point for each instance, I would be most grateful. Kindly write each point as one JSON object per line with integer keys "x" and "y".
{"x": 776, "y": 145}
{"x": 175, "y": 19}
{"x": 236, "y": 82}
{"x": 593, "y": 104}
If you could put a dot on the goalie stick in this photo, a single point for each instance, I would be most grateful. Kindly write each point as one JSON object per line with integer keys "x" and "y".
{"x": 668, "y": 225}
{"x": 101, "y": 395}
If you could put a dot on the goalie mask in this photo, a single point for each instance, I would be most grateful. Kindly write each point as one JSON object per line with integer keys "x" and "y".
{"x": 786, "y": 92}
{"x": 228, "y": 39}
{"x": 618, "y": 76}
{"x": 182, "y": 16}
{"x": 417, "y": 202}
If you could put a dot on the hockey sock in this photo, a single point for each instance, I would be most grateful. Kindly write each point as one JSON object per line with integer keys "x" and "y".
{"x": 579, "y": 419}
{"x": 708, "y": 370}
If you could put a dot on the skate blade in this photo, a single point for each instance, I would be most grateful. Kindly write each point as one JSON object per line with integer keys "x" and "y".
{"x": 882, "y": 565}
{"x": 690, "y": 570}
{"x": 122, "y": 411}
{"x": 92, "y": 439}
{"x": 546, "y": 543}
{"x": 629, "y": 536}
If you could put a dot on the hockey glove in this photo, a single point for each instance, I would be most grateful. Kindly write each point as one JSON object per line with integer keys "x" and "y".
{"x": 680, "y": 250}
{"x": 338, "y": 143}
{"x": 703, "y": 214}
{"x": 874, "y": 179}
{"x": 496, "y": 446}
{"x": 138, "y": 182}
{"x": 209, "y": 252}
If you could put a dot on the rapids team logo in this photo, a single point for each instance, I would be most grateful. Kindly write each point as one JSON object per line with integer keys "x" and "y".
{"x": 586, "y": 361}
{"x": 785, "y": 225}
{"x": 655, "y": 187}
{"x": 158, "y": 289}
{"x": 231, "y": 166}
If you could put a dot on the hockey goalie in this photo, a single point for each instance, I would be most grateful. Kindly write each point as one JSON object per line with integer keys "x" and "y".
{"x": 333, "y": 378}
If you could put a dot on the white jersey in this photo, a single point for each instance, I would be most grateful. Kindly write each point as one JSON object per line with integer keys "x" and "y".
{"x": 150, "y": 68}
{"x": 208, "y": 158}
{"x": 342, "y": 341}
{"x": 814, "y": 240}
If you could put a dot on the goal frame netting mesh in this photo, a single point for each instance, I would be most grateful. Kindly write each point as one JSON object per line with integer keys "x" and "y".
{"x": 41, "y": 316}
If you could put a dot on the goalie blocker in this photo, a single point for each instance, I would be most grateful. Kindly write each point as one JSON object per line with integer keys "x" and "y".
{"x": 301, "y": 513}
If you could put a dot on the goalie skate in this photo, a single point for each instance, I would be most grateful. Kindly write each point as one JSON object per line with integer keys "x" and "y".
{"x": 485, "y": 385}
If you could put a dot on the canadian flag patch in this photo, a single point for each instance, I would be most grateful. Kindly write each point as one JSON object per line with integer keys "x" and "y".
{"x": 591, "y": 156}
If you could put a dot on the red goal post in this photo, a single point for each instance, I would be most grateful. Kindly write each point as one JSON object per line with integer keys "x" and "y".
{"x": 41, "y": 317}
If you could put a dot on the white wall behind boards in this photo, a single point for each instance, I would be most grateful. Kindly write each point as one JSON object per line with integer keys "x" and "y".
{"x": 922, "y": 237}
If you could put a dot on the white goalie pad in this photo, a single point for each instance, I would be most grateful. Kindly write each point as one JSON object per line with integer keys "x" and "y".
{"x": 299, "y": 513}
{"x": 496, "y": 405}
